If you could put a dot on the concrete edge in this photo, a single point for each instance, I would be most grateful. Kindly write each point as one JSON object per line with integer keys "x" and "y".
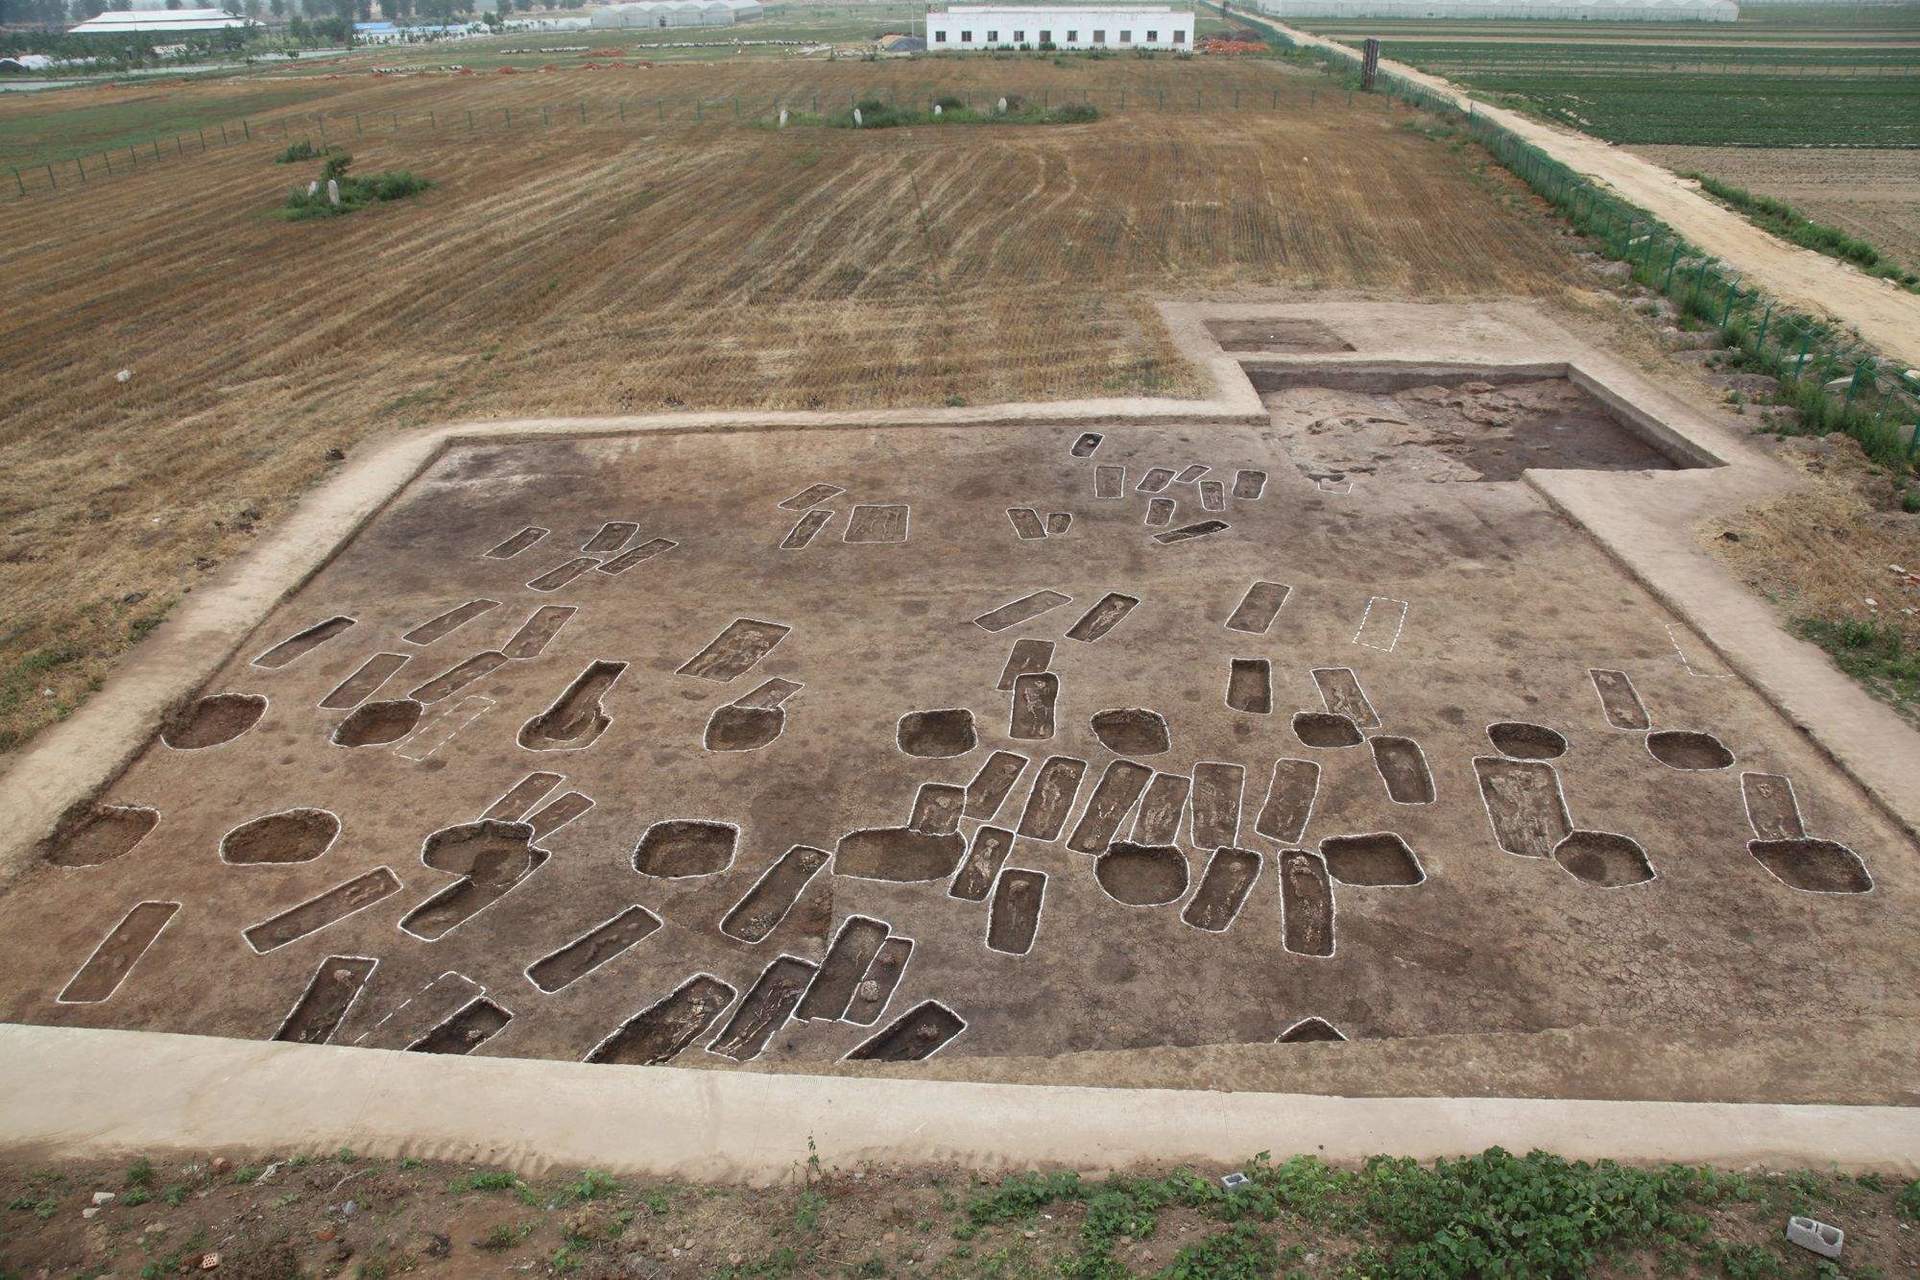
{"x": 88, "y": 1093}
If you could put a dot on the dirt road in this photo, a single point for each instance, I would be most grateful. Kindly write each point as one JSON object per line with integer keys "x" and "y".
{"x": 1886, "y": 316}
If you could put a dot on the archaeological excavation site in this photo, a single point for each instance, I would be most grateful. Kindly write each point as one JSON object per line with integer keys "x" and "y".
{"x": 1366, "y": 729}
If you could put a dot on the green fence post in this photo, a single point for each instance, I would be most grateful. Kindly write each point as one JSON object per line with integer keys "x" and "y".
{"x": 249, "y": 132}
{"x": 108, "y": 157}
{"x": 50, "y": 178}
{"x": 17, "y": 182}
{"x": 203, "y": 139}
{"x": 1666, "y": 285}
{"x": 1913, "y": 445}
{"x": 1761, "y": 341}
{"x": 81, "y": 165}
{"x": 1853, "y": 383}
{"x": 223, "y": 135}
{"x": 433, "y": 121}
{"x": 1726, "y": 312}
{"x": 1801, "y": 363}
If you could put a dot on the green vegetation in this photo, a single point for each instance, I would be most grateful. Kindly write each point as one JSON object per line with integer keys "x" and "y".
{"x": 301, "y": 150}
{"x": 1787, "y": 222}
{"x": 355, "y": 193}
{"x": 1879, "y": 657}
{"x": 875, "y": 114}
{"x": 143, "y": 118}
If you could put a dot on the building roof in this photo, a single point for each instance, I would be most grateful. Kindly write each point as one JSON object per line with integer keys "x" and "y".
{"x": 990, "y": 9}
{"x": 159, "y": 21}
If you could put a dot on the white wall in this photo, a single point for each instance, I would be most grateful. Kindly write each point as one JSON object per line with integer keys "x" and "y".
{"x": 1067, "y": 27}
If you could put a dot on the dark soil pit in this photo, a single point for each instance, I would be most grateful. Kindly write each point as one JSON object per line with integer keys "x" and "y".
{"x": 914, "y": 1036}
{"x": 1815, "y": 866}
{"x": 1603, "y": 858}
{"x": 602, "y": 943}
{"x": 1306, "y": 903}
{"x": 1112, "y": 800}
{"x": 106, "y": 832}
{"x": 1449, "y": 425}
{"x": 1142, "y": 875}
{"x": 1051, "y": 799}
{"x": 210, "y": 721}
{"x": 1132, "y": 732}
{"x": 1524, "y": 803}
{"x": 1281, "y": 335}
{"x": 768, "y": 1005}
{"x": 985, "y": 856}
{"x": 1381, "y": 858}
{"x": 1325, "y": 730}
{"x": 732, "y": 728}
{"x": 842, "y": 970}
{"x": 1403, "y": 768}
{"x": 330, "y": 994}
{"x": 681, "y": 847}
{"x": 1289, "y": 803}
{"x": 766, "y": 904}
{"x": 576, "y": 717}
{"x": 375, "y": 724}
{"x": 1228, "y": 879}
{"x": 466, "y": 1030}
{"x": 1521, "y": 741}
{"x": 1688, "y": 749}
{"x": 294, "y": 835}
{"x": 1250, "y": 686}
{"x": 1013, "y": 918}
{"x": 870, "y": 998}
{"x": 1034, "y": 698}
{"x": 937, "y": 734}
{"x": 898, "y": 853}
{"x": 661, "y": 1031}
{"x": 990, "y": 787}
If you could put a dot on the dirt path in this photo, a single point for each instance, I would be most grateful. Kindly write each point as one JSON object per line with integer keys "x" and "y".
{"x": 1887, "y": 317}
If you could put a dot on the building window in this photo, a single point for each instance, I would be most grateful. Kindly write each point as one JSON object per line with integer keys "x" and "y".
{"x": 939, "y": 37}
{"x": 1179, "y": 37}
{"x": 1099, "y": 36}
{"x": 993, "y": 37}
{"x": 1073, "y": 37}
{"x": 1126, "y": 37}
{"x": 1153, "y": 37}
{"x": 1046, "y": 37}
{"x": 1019, "y": 37}
{"x": 966, "y": 37}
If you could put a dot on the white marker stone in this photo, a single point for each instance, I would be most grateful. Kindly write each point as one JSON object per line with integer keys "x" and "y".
{"x": 333, "y": 192}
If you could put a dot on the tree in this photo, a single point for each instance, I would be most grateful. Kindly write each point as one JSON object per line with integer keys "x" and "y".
{"x": 278, "y": 8}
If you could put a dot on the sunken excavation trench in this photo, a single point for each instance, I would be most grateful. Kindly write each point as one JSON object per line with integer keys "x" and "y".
{"x": 1042, "y": 742}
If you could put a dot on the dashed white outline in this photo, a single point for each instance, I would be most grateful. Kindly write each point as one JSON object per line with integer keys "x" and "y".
{"x": 1380, "y": 769}
{"x": 1480, "y": 789}
{"x": 1419, "y": 866}
{"x": 460, "y": 1012}
{"x": 265, "y": 704}
{"x": 813, "y": 531}
{"x": 347, "y": 1012}
{"x": 933, "y": 1052}
{"x": 1360, "y": 630}
{"x": 1333, "y": 904}
{"x": 333, "y": 839}
{"x": 473, "y": 706}
{"x": 1865, "y": 870}
{"x": 1313, "y": 799}
{"x": 131, "y": 964}
{"x": 899, "y": 726}
{"x": 892, "y": 991}
{"x": 1606, "y": 712}
{"x": 1108, "y": 470}
{"x": 399, "y": 886}
{"x": 415, "y": 692}
{"x": 1327, "y": 484}
{"x": 1259, "y": 869}
{"x": 1340, "y": 1037}
{"x": 333, "y": 735}
{"x": 405, "y": 658}
{"x": 1566, "y": 743}
{"x": 1039, "y": 915}
{"x": 109, "y": 808}
{"x": 1186, "y": 884}
{"x": 1682, "y": 655}
{"x": 1732, "y": 759}
{"x": 527, "y": 972}
{"x": 352, "y": 622}
{"x": 480, "y": 989}
{"x": 633, "y": 856}
{"x": 906, "y": 530}
{"x": 1653, "y": 872}
{"x": 1373, "y": 715}
{"x": 489, "y": 607}
{"x": 1193, "y": 814}
{"x": 740, "y": 1006}
{"x": 1793, "y": 798}
{"x": 805, "y": 881}
{"x": 627, "y": 1022}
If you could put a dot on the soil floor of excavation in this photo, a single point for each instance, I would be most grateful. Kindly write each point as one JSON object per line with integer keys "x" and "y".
{"x": 773, "y": 748}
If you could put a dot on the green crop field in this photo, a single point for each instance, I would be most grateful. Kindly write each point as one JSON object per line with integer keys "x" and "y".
{"x": 1782, "y": 76}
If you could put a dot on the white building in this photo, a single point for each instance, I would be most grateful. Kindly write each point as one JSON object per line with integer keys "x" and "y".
{"x": 1557, "y": 10}
{"x": 117, "y": 22}
{"x": 677, "y": 13}
{"x": 992, "y": 26}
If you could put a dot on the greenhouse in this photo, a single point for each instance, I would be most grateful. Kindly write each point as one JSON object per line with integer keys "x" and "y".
{"x": 677, "y": 13}
{"x": 1569, "y": 10}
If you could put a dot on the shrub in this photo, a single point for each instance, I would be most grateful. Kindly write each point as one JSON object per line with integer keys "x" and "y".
{"x": 355, "y": 192}
{"x": 301, "y": 150}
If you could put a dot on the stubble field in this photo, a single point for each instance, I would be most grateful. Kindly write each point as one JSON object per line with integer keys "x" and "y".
{"x": 658, "y": 255}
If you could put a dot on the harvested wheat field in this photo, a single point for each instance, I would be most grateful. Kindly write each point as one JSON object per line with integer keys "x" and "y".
{"x": 674, "y": 257}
